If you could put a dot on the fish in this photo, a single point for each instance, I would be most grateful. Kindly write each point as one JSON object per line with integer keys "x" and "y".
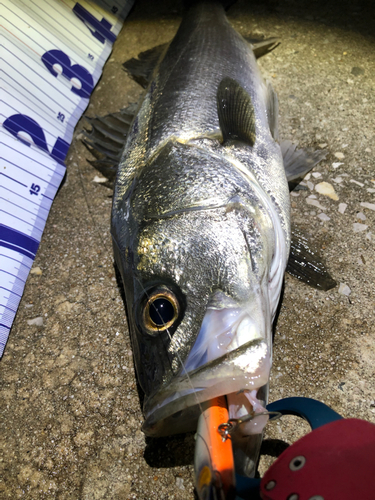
{"x": 201, "y": 224}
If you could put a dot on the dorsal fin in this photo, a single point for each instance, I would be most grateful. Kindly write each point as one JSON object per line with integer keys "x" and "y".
{"x": 236, "y": 112}
{"x": 142, "y": 68}
{"x": 106, "y": 140}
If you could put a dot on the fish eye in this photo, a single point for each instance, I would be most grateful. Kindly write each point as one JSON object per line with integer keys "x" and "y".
{"x": 161, "y": 311}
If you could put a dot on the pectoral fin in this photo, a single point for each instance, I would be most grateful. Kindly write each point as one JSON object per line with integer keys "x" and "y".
{"x": 306, "y": 265}
{"x": 236, "y": 112}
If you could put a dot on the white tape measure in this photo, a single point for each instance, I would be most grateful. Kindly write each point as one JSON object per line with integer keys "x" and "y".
{"x": 52, "y": 55}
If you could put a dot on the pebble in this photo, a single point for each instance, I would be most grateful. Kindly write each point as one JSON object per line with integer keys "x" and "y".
{"x": 307, "y": 177}
{"x": 344, "y": 289}
{"x": 356, "y": 182}
{"x": 99, "y": 180}
{"x": 323, "y": 145}
{"x": 369, "y": 236}
{"x": 358, "y": 227}
{"x": 36, "y": 270}
{"x": 342, "y": 207}
{"x": 368, "y": 150}
{"x": 316, "y": 175}
{"x": 324, "y": 217}
{"x": 315, "y": 203}
{"x": 337, "y": 164}
{"x": 370, "y": 206}
{"x": 180, "y": 483}
{"x": 310, "y": 185}
{"x": 338, "y": 180}
{"x": 339, "y": 156}
{"x": 326, "y": 189}
{"x": 36, "y": 321}
{"x": 296, "y": 193}
{"x": 361, "y": 216}
{"x": 370, "y": 190}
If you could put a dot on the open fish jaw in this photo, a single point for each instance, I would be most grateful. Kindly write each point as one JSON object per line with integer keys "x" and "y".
{"x": 176, "y": 408}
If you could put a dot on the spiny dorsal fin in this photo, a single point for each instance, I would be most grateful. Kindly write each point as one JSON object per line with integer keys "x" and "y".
{"x": 236, "y": 112}
{"x": 106, "y": 140}
{"x": 305, "y": 263}
{"x": 262, "y": 47}
{"x": 297, "y": 162}
{"x": 142, "y": 68}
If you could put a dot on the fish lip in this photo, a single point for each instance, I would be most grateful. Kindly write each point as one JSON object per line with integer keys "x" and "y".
{"x": 245, "y": 368}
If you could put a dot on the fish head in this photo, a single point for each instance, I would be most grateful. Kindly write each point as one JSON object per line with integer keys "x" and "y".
{"x": 194, "y": 246}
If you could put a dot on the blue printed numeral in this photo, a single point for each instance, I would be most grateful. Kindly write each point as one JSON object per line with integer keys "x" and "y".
{"x": 23, "y": 123}
{"x": 101, "y": 30}
{"x": 55, "y": 56}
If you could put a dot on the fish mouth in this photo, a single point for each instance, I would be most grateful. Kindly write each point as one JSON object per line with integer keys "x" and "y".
{"x": 176, "y": 408}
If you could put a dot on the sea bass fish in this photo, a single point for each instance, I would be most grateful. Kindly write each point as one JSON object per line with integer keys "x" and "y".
{"x": 201, "y": 224}
{"x": 201, "y": 221}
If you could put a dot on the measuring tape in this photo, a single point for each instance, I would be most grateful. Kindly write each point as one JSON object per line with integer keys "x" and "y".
{"x": 52, "y": 55}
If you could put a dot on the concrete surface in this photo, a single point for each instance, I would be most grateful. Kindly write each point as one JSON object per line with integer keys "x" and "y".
{"x": 70, "y": 413}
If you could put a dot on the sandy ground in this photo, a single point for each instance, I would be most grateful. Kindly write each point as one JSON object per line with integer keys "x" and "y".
{"x": 70, "y": 413}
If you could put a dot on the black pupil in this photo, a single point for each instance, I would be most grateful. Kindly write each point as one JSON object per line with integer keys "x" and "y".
{"x": 161, "y": 311}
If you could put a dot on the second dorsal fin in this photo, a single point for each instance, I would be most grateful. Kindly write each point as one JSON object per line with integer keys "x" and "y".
{"x": 141, "y": 69}
{"x": 236, "y": 112}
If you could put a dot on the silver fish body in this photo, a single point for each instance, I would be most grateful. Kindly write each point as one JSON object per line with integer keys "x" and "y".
{"x": 201, "y": 225}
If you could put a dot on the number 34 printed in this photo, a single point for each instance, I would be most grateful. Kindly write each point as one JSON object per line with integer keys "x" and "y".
{"x": 57, "y": 62}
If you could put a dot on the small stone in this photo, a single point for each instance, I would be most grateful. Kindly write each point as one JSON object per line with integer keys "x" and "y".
{"x": 339, "y": 156}
{"x": 324, "y": 217}
{"x": 316, "y": 175}
{"x": 315, "y": 203}
{"x": 361, "y": 216}
{"x": 323, "y": 145}
{"x": 370, "y": 190}
{"x": 307, "y": 177}
{"x": 36, "y": 321}
{"x": 358, "y": 227}
{"x": 368, "y": 150}
{"x": 36, "y": 270}
{"x": 296, "y": 193}
{"x": 370, "y": 206}
{"x": 99, "y": 180}
{"x": 337, "y": 164}
{"x": 338, "y": 180}
{"x": 369, "y": 236}
{"x": 344, "y": 289}
{"x": 356, "y": 182}
{"x": 310, "y": 185}
{"x": 342, "y": 207}
{"x": 326, "y": 189}
{"x": 180, "y": 483}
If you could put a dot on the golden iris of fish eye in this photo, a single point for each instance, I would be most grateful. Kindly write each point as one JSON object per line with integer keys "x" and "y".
{"x": 152, "y": 327}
